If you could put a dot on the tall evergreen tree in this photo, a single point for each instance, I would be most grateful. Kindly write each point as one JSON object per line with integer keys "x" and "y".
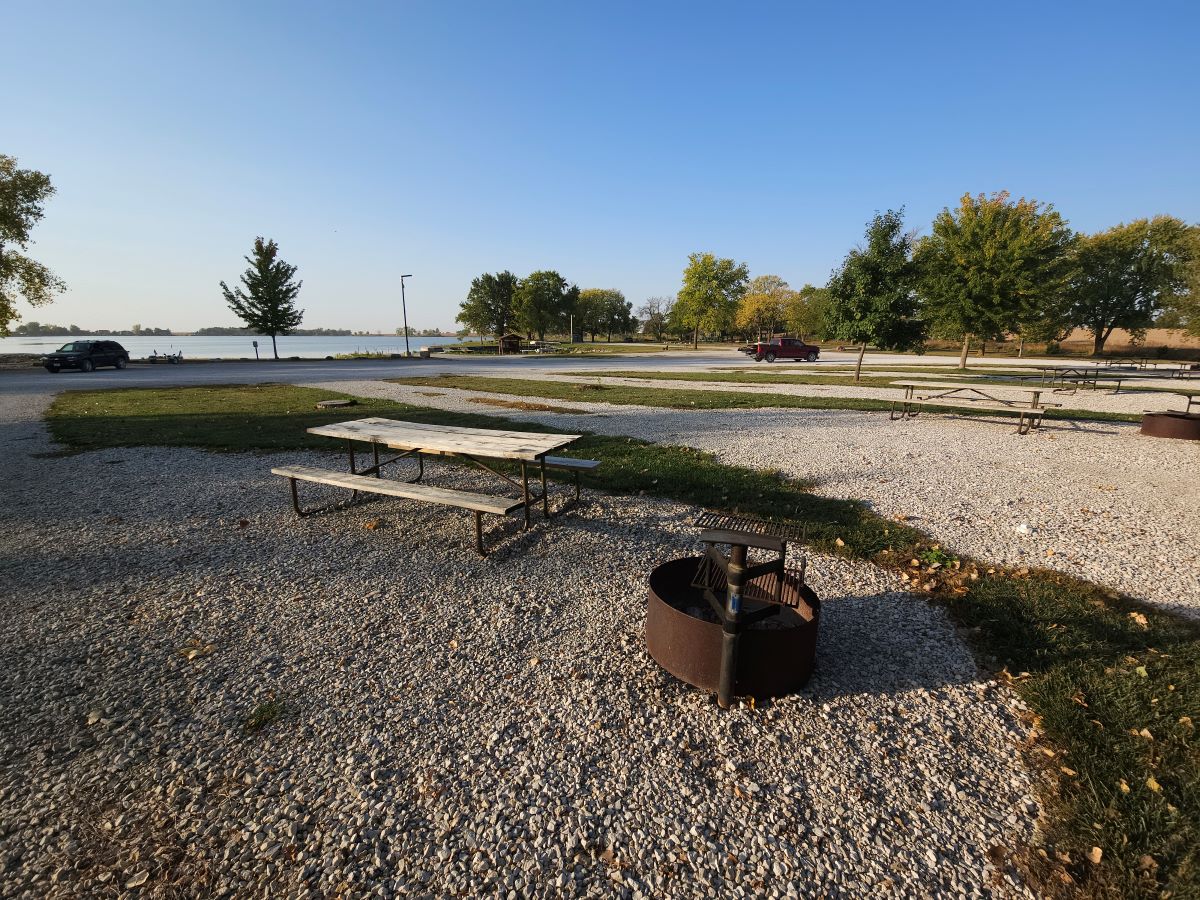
{"x": 267, "y": 304}
{"x": 872, "y": 297}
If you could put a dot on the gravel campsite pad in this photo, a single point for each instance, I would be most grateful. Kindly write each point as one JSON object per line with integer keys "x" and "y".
{"x": 1097, "y": 500}
{"x": 205, "y": 695}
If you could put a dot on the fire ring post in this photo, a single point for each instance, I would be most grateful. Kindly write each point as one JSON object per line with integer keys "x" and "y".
{"x": 732, "y": 625}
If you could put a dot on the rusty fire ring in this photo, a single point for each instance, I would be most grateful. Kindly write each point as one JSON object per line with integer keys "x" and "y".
{"x": 1184, "y": 426}
{"x": 771, "y": 661}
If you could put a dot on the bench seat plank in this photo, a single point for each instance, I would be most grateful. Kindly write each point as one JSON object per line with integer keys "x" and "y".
{"x": 483, "y": 503}
{"x": 997, "y": 408}
{"x": 566, "y": 462}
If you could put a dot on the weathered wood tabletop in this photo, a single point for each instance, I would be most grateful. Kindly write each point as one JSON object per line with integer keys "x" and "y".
{"x": 416, "y": 436}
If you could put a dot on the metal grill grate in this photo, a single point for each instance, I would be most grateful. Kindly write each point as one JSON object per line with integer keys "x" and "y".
{"x": 748, "y": 525}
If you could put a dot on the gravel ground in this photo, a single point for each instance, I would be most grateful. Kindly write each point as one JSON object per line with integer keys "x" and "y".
{"x": 463, "y": 727}
{"x": 1085, "y": 400}
{"x": 1097, "y": 500}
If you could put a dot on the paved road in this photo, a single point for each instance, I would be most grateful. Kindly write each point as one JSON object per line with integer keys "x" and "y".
{"x": 37, "y": 380}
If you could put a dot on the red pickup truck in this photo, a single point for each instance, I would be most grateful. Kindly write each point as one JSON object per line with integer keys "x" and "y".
{"x": 782, "y": 348}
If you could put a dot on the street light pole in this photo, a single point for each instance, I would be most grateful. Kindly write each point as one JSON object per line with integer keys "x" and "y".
{"x": 404, "y": 309}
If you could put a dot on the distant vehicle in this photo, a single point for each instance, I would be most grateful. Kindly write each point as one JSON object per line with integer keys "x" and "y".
{"x": 782, "y": 348}
{"x": 176, "y": 357}
{"x": 86, "y": 356}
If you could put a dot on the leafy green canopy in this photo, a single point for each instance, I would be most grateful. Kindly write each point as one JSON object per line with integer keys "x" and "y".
{"x": 708, "y": 300}
{"x": 603, "y": 310}
{"x": 992, "y": 265}
{"x": 544, "y": 301}
{"x": 489, "y": 307}
{"x": 1125, "y": 276}
{"x": 871, "y": 297}
{"x": 267, "y": 303}
{"x": 22, "y": 194}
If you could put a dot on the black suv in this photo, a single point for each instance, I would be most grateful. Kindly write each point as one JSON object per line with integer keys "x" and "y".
{"x": 86, "y": 355}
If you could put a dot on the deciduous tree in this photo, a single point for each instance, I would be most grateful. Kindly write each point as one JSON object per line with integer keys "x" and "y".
{"x": 712, "y": 287}
{"x": 653, "y": 315}
{"x": 763, "y": 308}
{"x": 991, "y": 265}
{"x": 590, "y": 311}
{"x": 1125, "y": 276}
{"x": 806, "y": 310}
{"x": 872, "y": 296}
{"x": 23, "y": 192}
{"x": 266, "y": 301}
{"x": 544, "y": 301}
{"x": 490, "y": 304}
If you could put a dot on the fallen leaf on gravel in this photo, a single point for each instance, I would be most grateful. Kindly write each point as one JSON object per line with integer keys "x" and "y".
{"x": 1094, "y": 856}
{"x": 1141, "y": 670}
{"x": 1153, "y": 784}
{"x": 1186, "y": 721}
{"x": 1147, "y": 863}
{"x": 373, "y": 524}
{"x": 1049, "y": 552}
{"x": 1145, "y": 732}
{"x": 608, "y": 856}
{"x": 454, "y": 645}
{"x": 840, "y": 542}
{"x": 138, "y": 880}
{"x": 1068, "y": 772}
{"x": 534, "y": 661}
{"x": 1140, "y": 619}
{"x": 1124, "y": 786}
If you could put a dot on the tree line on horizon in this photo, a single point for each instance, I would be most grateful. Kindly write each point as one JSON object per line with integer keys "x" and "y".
{"x": 990, "y": 269}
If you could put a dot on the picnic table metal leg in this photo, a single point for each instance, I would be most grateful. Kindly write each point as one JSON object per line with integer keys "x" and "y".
{"x": 375, "y": 452}
{"x": 525, "y": 491}
{"x": 545, "y": 496}
{"x": 479, "y": 533}
{"x": 353, "y": 468}
{"x": 295, "y": 498}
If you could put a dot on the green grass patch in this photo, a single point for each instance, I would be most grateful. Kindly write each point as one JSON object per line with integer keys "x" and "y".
{"x": 1114, "y": 686}
{"x": 686, "y": 398}
{"x": 261, "y": 417}
{"x": 270, "y": 710}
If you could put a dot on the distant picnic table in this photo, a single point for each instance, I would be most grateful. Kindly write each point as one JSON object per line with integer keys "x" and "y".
{"x": 962, "y": 395}
{"x": 483, "y": 447}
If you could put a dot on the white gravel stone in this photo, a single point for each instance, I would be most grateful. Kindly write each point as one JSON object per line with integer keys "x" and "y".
{"x": 418, "y": 750}
{"x": 1094, "y": 499}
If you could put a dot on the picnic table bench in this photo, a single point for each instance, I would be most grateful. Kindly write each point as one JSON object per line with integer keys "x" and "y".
{"x": 1191, "y": 395}
{"x": 959, "y": 395}
{"x": 483, "y": 447}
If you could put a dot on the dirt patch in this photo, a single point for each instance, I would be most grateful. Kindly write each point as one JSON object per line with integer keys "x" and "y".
{"x": 528, "y": 407}
{"x": 18, "y": 360}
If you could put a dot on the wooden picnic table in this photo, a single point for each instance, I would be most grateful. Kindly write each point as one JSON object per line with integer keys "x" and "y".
{"x": 483, "y": 447}
{"x": 1191, "y": 395}
{"x": 971, "y": 392}
{"x": 1082, "y": 376}
{"x": 974, "y": 396}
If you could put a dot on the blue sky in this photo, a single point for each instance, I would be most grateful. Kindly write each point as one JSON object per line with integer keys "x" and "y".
{"x": 605, "y": 140}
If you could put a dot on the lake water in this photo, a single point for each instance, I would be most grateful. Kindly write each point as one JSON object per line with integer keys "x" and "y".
{"x": 239, "y": 347}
